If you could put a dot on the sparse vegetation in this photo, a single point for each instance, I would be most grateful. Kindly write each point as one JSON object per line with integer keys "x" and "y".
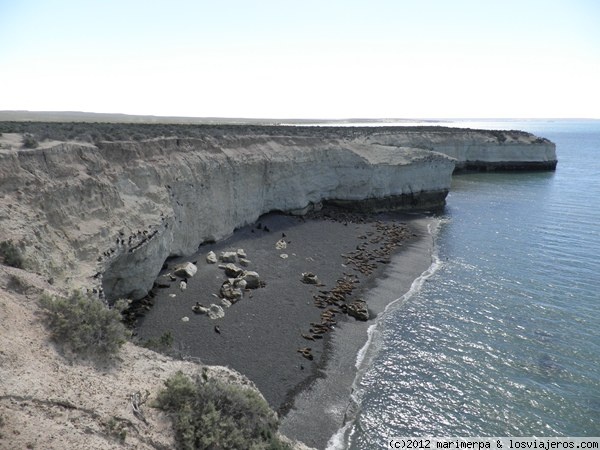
{"x": 84, "y": 326}
{"x": 162, "y": 343}
{"x": 99, "y": 132}
{"x": 11, "y": 255}
{"x": 29, "y": 141}
{"x": 16, "y": 284}
{"x": 117, "y": 429}
{"x": 212, "y": 414}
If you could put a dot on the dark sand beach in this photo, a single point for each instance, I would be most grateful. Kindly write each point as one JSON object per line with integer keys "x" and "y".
{"x": 371, "y": 257}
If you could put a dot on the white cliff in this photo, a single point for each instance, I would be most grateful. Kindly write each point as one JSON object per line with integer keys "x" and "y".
{"x": 477, "y": 149}
{"x": 113, "y": 212}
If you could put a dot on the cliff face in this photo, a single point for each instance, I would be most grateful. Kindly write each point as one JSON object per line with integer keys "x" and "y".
{"x": 479, "y": 149}
{"x": 111, "y": 214}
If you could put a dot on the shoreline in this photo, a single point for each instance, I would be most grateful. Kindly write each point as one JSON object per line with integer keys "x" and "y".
{"x": 321, "y": 411}
{"x": 260, "y": 334}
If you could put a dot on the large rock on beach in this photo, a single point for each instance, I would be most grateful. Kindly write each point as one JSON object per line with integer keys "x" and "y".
{"x": 252, "y": 279}
{"x": 358, "y": 309}
{"x": 211, "y": 258}
{"x": 231, "y": 270}
{"x": 185, "y": 270}
{"x": 228, "y": 257}
{"x": 231, "y": 292}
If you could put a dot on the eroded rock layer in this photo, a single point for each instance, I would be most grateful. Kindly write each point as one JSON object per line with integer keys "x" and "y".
{"x": 108, "y": 215}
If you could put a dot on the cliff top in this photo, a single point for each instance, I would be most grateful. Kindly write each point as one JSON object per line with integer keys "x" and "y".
{"x": 95, "y": 132}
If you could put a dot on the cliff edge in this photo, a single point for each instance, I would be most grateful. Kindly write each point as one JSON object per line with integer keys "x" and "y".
{"x": 107, "y": 214}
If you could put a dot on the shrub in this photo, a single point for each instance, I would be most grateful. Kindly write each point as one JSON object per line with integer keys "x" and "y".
{"x": 11, "y": 255}
{"x": 162, "y": 343}
{"x": 214, "y": 414}
{"x": 29, "y": 141}
{"x": 83, "y": 325}
{"x": 117, "y": 429}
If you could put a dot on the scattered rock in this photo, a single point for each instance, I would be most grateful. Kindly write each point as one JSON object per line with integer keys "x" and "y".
{"x": 225, "y": 303}
{"x": 231, "y": 270}
{"x": 228, "y": 257}
{"x": 211, "y": 258}
{"x": 309, "y": 278}
{"x": 241, "y": 253}
{"x": 230, "y": 292}
{"x": 185, "y": 270}
{"x": 172, "y": 295}
{"x": 240, "y": 283}
{"x": 244, "y": 262}
{"x": 252, "y": 279}
{"x": 182, "y": 286}
{"x": 284, "y": 256}
{"x": 281, "y": 244}
{"x": 215, "y": 312}
{"x": 185, "y": 319}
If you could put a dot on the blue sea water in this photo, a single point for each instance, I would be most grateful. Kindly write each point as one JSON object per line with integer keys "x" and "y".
{"x": 504, "y": 338}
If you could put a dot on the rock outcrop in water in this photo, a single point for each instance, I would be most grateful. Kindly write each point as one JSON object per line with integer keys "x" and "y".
{"x": 113, "y": 212}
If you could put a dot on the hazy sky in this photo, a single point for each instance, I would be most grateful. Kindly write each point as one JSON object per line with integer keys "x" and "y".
{"x": 294, "y": 59}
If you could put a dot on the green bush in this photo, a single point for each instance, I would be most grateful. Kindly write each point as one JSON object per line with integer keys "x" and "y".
{"x": 83, "y": 325}
{"x": 215, "y": 415}
{"x": 11, "y": 255}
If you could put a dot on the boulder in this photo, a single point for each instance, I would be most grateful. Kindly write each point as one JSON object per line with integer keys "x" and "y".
{"x": 231, "y": 270}
{"x": 230, "y": 292}
{"x": 185, "y": 270}
{"x": 240, "y": 283}
{"x": 241, "y": 253}
{"x": 215, "y": 311}
{"x": 228, "y": 257}
{"x": 358, "y": 310}
{"x": 252, "y": 279}
{"x": 211, "y": 258}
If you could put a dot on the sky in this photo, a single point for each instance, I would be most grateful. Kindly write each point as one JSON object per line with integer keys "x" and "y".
{"x": 303, "y": 59}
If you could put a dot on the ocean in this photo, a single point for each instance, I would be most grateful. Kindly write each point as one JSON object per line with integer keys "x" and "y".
{"x": 501, "y": 337}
